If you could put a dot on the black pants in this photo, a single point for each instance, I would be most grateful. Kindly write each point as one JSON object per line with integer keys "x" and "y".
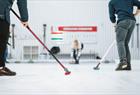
{"x": 4, "y": 35}
{"x": 75, "y": 56}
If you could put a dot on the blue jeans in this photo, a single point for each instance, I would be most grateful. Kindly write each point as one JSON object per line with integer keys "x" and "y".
{"x": 124, "y": 31}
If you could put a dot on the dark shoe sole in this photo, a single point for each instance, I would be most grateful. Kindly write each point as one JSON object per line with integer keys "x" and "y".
{"x": 125, "y": 69}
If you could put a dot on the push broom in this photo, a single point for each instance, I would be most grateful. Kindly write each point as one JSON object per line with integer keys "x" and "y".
{"x": 67, "y": 72}
{"x": 109, "y": 48}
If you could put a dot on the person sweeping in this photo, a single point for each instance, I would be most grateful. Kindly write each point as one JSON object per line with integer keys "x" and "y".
{"x": 5, "y": 6}
{"x": 124, "y": 27}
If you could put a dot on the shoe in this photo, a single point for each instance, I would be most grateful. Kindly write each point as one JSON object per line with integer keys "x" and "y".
{"x": 122, "y": 67}
{"x": 6, "y": 72}
{"x": 77, "y": 62}
{"x": 129, "y": 67}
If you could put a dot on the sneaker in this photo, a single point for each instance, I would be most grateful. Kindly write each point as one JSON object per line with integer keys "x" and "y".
{"x": 77, "y": 62}
{"x": 122, "y": 67}
{"x": 129, "y": 67}
{"x": 6, "y": 72}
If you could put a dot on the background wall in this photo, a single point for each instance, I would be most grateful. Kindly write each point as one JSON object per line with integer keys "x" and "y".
{"x": 55, "y": 13}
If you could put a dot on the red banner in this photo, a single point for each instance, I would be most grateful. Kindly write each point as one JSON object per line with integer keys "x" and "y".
{"x": 78, "y": 28}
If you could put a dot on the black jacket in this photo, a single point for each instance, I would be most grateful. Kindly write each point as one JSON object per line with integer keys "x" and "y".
{"x": 5, "y": 9}
{"x": 123, "y": 9}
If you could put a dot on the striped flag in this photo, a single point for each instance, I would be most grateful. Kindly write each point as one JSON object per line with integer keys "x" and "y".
{"x": 56, "y": 35}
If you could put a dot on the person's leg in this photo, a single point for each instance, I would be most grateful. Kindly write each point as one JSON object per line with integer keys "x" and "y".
{"x": 4, "y": 30}
{"x": 5, "y": 55}
{"x": 4, "y": 35}
{"x": 77, "y": 60}
{"x": 74, "y": 56}
{"x": 128, "y": 55}
{"x": 121, "y": 33}
{"x": 78, "y": 55}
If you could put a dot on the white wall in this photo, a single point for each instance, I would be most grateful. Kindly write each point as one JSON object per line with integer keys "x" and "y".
{"x": 69, "y": 13}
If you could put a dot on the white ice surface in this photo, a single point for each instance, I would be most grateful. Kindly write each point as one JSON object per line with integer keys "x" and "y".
{"x": 49, "y": 79}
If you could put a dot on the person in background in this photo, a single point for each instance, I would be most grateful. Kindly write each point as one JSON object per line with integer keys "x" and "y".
{"x": 77, "y": 47}
{"x": 124, "y": 27}
{"x": 5, "y": 6}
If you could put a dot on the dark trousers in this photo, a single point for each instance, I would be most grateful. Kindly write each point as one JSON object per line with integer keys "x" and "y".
{"x": 4, "y": 35}
{"x": 75, "y": 56}
{"x": 124, "y": 31}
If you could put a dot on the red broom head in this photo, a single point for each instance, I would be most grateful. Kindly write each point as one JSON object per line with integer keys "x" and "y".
{"x": 67, "y": 72}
